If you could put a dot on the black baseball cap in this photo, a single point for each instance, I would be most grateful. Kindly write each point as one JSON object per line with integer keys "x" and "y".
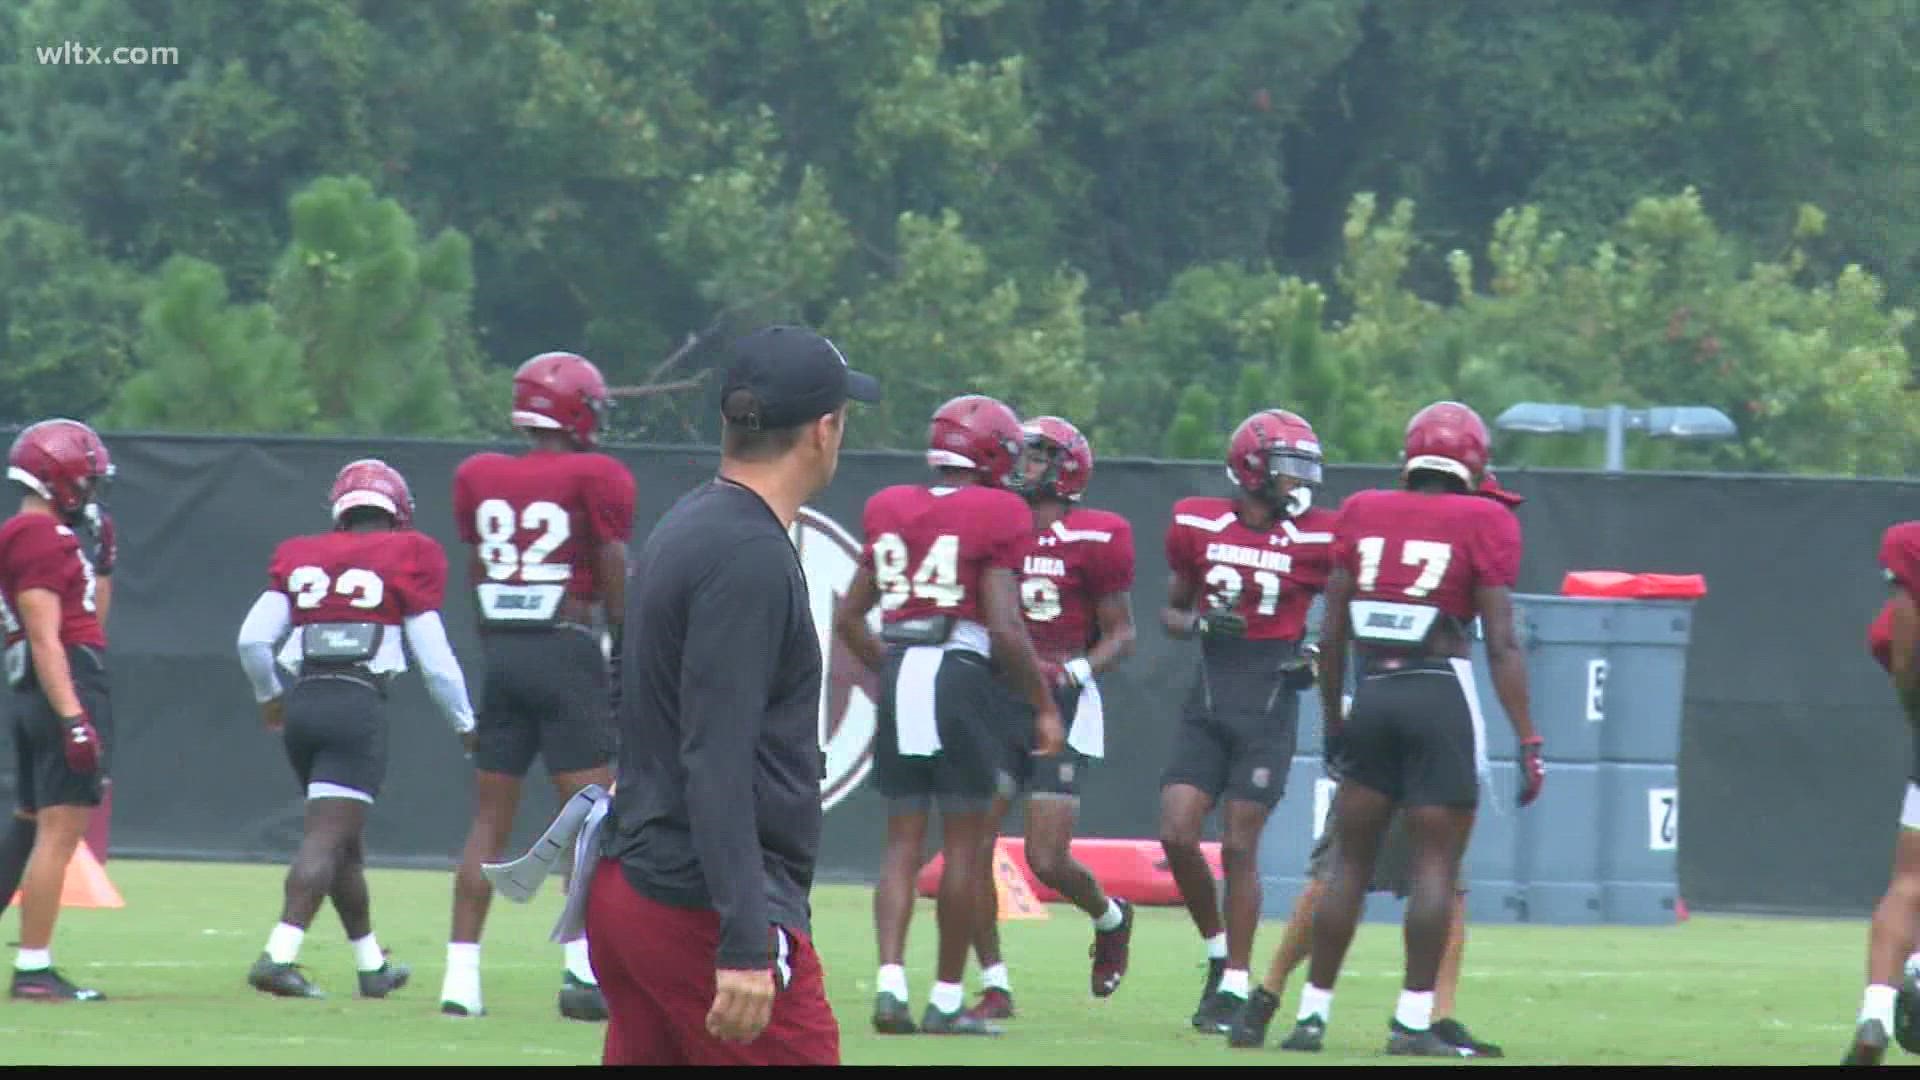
{"x": 791, "y": 375}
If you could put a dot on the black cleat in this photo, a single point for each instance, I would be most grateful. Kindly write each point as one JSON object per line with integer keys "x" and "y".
{"x": 1403, "y": 1041}
{"x": 1217, "y": 1012}
{"x": 994, "y": 1004}
{"x": 1248, "y": 1029}
{"x": 48, "y": 984}
{"x": 891, "y": 1016}
{"x": 1869, "y": 1045}
{"x": 1906, "y": 1015}
{"x": 1309, "y": 1035}
{"x": 581, "y": 1000}
{"x": 1454, "y": 1033}
{"x": 281, "y": 980}
{"x": 958, "y": 1022}
{"x": 1203, "y": 1019}
{"x": 1109, "y": 951}
{"x": 384, "y": 980}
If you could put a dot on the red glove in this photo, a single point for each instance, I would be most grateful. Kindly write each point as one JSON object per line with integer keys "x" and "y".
{"x": 81, "y": 744}
{"x": 1533, "y": 771}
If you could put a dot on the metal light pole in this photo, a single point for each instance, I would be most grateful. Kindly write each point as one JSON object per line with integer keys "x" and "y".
{"x": 1658, "y": 422}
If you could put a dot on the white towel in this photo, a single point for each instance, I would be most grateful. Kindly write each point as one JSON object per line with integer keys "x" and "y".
{"x": 572, "y": 924}
{"x": 916, "y": 723}
{"x": 1089, "y": 734}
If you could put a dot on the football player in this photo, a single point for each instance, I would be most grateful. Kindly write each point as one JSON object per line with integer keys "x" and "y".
{"x": 1245, "y": 571}
{"x": 1075, "y": 587}
{"x": 1413, "y": 567}
{"x": 55, "y": 666}
{"x": 547, "y": 534}
{"x": 942, "y": 561}
{"x": 344, "y": 601}
{"x": 1891, "y": 1005}
{"x": 1392, "y": 873}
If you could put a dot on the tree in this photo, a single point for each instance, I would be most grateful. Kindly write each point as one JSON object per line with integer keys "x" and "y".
{"x": 210, "y": 365}
{"x": 68, "y": 320}
{"x": 379, "y": 315}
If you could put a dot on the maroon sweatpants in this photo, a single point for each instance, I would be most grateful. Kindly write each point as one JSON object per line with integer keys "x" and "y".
{"x": 655, "y": 966}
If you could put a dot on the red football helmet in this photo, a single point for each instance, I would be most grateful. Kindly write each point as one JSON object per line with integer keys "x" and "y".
{"x": 1270, "y": 444}
{"x": 1447, "y": 437}
{"x": 560, "y": 391}
{"x": 1069, "y": 459}
{"x": 976, "y": 432}
{"x": 63, "y": 462}
{"x": 372, "y": 482}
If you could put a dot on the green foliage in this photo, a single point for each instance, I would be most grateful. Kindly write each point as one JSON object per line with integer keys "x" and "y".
{"x": 68, "y": 319}
{"x": 211, "y": 365}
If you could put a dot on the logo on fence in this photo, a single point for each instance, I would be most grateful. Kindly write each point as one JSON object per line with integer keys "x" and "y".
{"x": 829, "y": 555}
{"x": 1663, "y": 819}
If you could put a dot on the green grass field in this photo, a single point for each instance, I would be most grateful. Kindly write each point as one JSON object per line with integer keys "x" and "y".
{"x": 1714, "y": 991}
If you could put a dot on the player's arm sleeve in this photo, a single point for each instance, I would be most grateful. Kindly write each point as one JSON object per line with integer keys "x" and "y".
{"x": 736, "y": 619}
{"x": 440, "y": 669}
{"x": 1497, "y": 549}
{"x": 262, "y": 629}
{"x": 424, "y": 583}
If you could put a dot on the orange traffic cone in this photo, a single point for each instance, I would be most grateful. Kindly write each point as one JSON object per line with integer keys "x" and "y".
{"x": 86, "y": 884}
{"x": 1011, "y": 887}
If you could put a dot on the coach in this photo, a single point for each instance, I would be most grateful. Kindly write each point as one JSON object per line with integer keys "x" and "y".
{"x": 698, "y": 916}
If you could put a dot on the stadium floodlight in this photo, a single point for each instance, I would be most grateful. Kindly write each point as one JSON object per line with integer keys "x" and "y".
{"x": 1659, "y": 422}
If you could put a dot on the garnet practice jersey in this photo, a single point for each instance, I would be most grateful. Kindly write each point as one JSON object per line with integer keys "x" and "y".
{"x": 38, "y": 552}
{"x": 1900, "y": 563}
{"x": 1269, "y": 576}
{"x": 360, "y": 577}
{"x": 1412, "y": 554}
{"x": 928, "y": 546}
{"x": 536, "y": 521}
{"x": 1068, "y": 567}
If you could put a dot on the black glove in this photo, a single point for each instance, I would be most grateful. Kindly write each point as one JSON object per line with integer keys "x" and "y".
{"x": 1300, "y": 673}
{"x": 1220, "y": 622}
{"x": 1333, "y": 752}
{"x": 613, "y": 671}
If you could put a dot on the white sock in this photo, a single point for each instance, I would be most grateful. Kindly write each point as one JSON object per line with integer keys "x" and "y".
{"x": 1233, "y": 982}
{"x": 42, "y": 959}
{"x": 948, "y": 997}
{"x": 366, "y": 953}
{"x": 996, "y": 978}
{"x": 462, "y": 983}
{"x": 1217, "y": 947}
{"x": 893, "y": 980}
{"x": 578, "y": 962}
{"x": 1111, "y": 919}
{"x": 1878, "y": 1005}
{"x": 283, "y": 945}
{"x": 1416, "y": 1010}
{"x": 1315, "y": 1002}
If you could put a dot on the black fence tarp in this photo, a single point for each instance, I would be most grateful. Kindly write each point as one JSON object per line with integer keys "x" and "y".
{"x": 1792, "y": 755}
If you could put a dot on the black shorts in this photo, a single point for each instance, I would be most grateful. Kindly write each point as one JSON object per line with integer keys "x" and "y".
{"x": 1414, "y": 734}
{"x": 1236, "y": 734}
{"x": 336, "y": 737}
{"x": 1392, "y": 863}
{"x": 1056, "y": 776}
{"x": 547, "y": 694}
{"x": 39, "y": 739}
{"x": 970, "y": 767}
